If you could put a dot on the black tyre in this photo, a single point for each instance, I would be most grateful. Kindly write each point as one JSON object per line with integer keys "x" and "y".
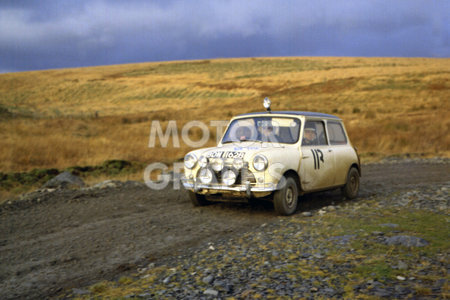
{"x": 351, "y": 188}
{"x": 285, "y": 199}
{"x": 197, "y": 199}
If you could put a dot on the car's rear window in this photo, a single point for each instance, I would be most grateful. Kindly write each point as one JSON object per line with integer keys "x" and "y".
{"x": 336, "y": 133}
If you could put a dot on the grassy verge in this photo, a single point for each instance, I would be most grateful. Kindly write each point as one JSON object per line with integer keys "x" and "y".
{"x": 15, "y": 183}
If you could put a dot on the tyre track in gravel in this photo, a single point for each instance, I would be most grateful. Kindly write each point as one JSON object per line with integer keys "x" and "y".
{"x": 73, "y": 238}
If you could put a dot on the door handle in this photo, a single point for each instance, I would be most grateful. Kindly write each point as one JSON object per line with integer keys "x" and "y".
{"x": 330, "y": 150}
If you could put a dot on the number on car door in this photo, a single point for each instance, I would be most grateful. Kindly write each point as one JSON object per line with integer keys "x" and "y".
{"x": 317, "y": 163}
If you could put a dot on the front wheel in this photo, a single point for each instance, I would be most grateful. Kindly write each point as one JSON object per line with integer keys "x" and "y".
{"x": 285, "y": 200}
{"x": 197, "y": 199}
{"x": 351, "y": 187}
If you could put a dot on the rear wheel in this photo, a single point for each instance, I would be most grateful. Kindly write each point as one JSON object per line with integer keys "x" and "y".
{"x": 351, "y": 188}
{"x": 197, "y": 199}
{"x": 285, "y": 200}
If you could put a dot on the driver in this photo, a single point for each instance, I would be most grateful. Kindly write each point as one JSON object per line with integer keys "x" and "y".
{"x": 309, "y": 137}
{"x": 243, "y": 133}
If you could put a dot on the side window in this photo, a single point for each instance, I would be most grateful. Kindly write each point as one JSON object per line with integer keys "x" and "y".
{"x": 314, "y": 134}
{"x": 336, "y": 133}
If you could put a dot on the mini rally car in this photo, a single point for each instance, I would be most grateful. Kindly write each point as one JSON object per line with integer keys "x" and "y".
{"x": 277, "y": 155}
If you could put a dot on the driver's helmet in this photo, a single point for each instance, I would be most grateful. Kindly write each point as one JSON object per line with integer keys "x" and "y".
{"x": 310, "y": 129}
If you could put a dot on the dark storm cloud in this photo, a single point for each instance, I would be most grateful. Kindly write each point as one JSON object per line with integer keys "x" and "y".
{"x": 58, "y": 34}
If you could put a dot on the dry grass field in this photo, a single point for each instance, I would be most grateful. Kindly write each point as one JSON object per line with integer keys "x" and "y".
{"x": 84, "y": 116}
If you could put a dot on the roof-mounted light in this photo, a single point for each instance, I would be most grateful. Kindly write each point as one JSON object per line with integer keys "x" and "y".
{"x": 267, "y": 103}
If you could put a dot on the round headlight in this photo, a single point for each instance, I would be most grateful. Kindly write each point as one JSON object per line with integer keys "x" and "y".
{"x": 203, "y": 161}
{"x": 189, "y": 161}
{"x": 217, "y": 164}
{"x": 229, "y": 177}
{"x": 206, "y": 176}
{"x": 260, "y": 162}
{"x": 238, "y": 163}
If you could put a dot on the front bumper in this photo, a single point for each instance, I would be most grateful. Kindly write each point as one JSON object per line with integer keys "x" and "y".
{"x": 241, "y": 188}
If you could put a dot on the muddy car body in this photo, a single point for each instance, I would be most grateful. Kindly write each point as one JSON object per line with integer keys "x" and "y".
{"x": 275, "y": 155}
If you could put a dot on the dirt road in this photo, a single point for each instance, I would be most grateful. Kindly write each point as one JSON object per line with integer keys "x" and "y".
{"x": 68, "y": 238}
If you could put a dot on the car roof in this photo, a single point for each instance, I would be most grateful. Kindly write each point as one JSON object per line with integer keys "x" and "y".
{"x": 298, "y": 113}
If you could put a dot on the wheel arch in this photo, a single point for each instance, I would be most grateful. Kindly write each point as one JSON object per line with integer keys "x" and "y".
{"x": 294, "y": 174}
{"x": 357, "y": 167}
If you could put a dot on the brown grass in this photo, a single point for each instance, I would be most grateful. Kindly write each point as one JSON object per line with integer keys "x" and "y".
{"x": 61, "y": 118}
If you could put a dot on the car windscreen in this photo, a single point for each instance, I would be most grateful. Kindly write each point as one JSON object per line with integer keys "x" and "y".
{"x": 282, "y": 130}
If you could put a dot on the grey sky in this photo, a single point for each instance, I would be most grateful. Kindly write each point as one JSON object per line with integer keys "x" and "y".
{"x": 59, "y": 34}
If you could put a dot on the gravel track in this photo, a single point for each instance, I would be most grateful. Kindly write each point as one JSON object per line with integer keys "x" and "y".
{"x": 54, "y": 240}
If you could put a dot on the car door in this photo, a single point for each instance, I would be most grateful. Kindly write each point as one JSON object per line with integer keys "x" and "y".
{"x": 317, "y": 160}
{"x": 343, "y": 152}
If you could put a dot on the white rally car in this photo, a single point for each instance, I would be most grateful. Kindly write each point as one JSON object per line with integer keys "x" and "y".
{"x": 277, "y": 155}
